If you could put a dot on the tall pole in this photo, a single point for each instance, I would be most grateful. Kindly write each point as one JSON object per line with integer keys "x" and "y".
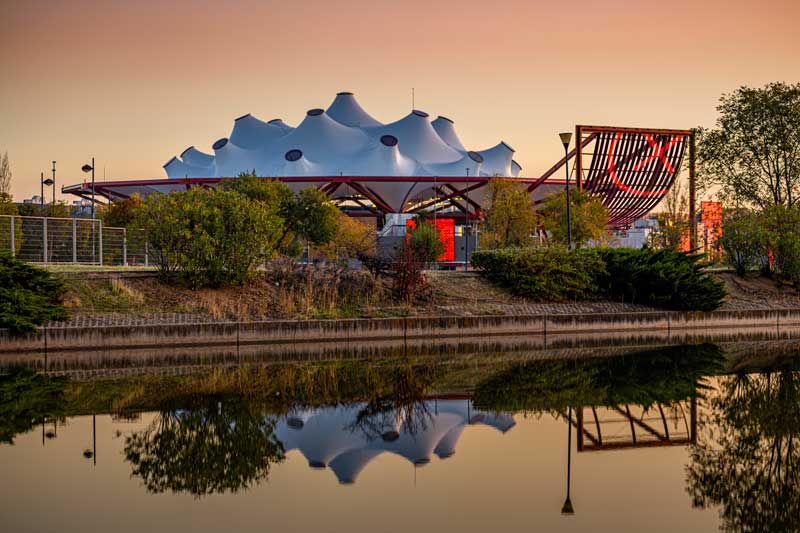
{"x": 93, "y": 187}
{"x": 41, "y": 182}
{"x": 54, "y": 183}
{"x": 692, "y": 194}
{"x": 466, "y": 225}
{"x": 569, "y": 208}
{"x": 567, "y": 509}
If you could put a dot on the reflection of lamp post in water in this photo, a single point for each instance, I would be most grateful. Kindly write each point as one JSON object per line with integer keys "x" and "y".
{"x": 92, "y": 454}
{"x": 567, "y": 509}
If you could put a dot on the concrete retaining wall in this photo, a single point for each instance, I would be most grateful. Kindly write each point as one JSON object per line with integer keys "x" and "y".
{"x": 552, "y": 329}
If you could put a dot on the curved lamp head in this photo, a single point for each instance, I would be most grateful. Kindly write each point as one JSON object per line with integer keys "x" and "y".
{"x": 566, "y": 137}
{"x": 87, "y": 168}
{"x": 48, "y": 182}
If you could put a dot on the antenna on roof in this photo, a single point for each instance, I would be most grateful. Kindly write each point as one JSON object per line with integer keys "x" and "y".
{"x": 412, "y": 100}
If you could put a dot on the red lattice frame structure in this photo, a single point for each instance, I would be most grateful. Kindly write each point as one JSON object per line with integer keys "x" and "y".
{"x": 631, "y": 169}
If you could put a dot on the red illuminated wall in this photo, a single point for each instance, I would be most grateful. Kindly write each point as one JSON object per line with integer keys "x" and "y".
{"x": 446, "y": 229}
{"x": 711, "y": 218}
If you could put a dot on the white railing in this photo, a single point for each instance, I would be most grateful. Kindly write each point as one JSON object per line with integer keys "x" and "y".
{"x": 70, "y": 240}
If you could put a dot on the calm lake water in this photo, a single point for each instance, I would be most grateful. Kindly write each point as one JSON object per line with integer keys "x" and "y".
{"x": 672, "y": 439}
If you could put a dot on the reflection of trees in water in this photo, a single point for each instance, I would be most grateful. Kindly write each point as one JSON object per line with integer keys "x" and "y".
{"x": 210, "y": 446}
{"x": 27, "y": 398}
{"x": 749, "y": 461}
{"x": 402, "y": 405}
{"x": 646, "y": 378}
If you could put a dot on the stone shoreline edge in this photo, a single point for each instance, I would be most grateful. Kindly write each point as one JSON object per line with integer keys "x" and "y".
{"x": 398, "y": 329}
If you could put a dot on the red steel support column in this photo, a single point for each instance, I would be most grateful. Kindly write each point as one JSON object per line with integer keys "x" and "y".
{"x": 692, "y": 195}
{"x": 578, "y": 161}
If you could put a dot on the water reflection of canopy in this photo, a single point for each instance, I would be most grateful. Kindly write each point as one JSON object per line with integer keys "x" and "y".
{"x": 330, "y": 437}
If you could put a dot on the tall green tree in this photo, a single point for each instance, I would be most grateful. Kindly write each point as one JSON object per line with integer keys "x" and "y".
{"x": 307, "y": 215}
{"x": 510, "y": 219}
{"x": 753, "y": 153}
{"x": 589, "y": 217}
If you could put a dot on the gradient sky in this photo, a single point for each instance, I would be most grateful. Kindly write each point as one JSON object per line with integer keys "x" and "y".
{"x": 134, "y": 83}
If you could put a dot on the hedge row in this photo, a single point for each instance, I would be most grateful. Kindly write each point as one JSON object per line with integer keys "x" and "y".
{"x": 664, "y": 278}
{"x": 29, "y": 296}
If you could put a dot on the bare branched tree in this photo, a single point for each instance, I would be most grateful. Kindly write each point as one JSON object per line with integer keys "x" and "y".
{"x": 5, "y": 175}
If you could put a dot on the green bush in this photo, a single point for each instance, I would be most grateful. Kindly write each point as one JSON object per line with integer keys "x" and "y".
{"x": 209, "y": 237}
{"x": 743, "y": 240}
{"x": 547, "y": 273}
{"x": 29, "y": 296}
{"x": 425, "y": 243}
{"x": 665, "y": 278}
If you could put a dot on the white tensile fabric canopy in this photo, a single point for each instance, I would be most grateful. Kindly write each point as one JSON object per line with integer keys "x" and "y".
{"x": 346, "y": 140}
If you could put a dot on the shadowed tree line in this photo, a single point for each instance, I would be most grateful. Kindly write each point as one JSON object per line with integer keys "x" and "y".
{"x": 748, "y": 460}
{"x": 658, "y": 376}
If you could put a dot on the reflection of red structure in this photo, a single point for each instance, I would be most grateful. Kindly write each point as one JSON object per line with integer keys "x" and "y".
{"x": 446, "y": 229}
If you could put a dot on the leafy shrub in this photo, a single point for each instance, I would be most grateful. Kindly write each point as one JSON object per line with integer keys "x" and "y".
{"x": 407, "y": 274}
{"x": 588, "y": 217}
{"x": 425, "y": 243}
{"x": 307, "y": 215}
{"x": 547, "y": 273}
{"x": 782, "y": 237}
{"x": 209, "y": 237}
{"x": 743, "y": 239}
{"x": 29, "y": 296}
{"x": 665, "y": 278}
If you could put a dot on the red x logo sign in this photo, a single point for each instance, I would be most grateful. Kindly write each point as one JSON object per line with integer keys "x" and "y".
{"x": 659, "y": 152}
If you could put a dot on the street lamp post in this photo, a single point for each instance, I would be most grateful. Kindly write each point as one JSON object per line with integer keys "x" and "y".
{"x": 90, "y": 168}
{"x": 47, "y": 182}
{"x": 466, "y": 225}
{"x": 565, "y": 139}
{"x": 54, "y": 183}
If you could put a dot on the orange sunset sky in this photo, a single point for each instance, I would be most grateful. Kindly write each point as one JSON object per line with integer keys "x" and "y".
{"x": 134, "y": 83}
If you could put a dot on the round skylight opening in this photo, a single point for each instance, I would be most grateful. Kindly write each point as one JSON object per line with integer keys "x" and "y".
{"x": 315, "y": 112}
{"x": 420, "y": 113}
{"x": 293, "y": 155}
{"x": 220, "y": 143}
{"x": 475, "y": 156}
{"x": 389, "y": 140}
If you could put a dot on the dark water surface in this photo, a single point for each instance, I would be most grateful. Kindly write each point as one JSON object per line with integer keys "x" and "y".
{"x": 687, "y": 438}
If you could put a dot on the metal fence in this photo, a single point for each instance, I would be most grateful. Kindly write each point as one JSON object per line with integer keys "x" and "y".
{"x": 71, "y": 240}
